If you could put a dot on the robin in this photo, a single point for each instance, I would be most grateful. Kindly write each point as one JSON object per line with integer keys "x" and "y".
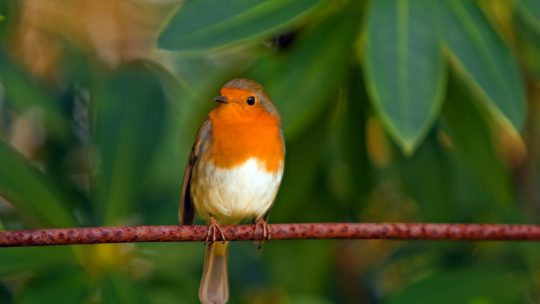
{"x": 233, "y": 173}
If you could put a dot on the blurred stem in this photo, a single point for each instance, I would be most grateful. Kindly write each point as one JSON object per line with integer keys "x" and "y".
{"x": 527, "y": 171}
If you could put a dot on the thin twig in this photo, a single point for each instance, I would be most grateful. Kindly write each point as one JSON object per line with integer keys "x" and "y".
{"x": 395, "y": 231}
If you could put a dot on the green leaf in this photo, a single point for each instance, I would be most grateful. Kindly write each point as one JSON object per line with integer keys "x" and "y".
{"x": 210, "y": 24}
{"x": 482, "y": 57}
{"x": 475, "y": 284}
{"x": 119, "y": 288}
{"x": 301, "y": 82}
{"x": 130, "y": 122}
{"x": 471, "y": 136}
{"x": 405, "y": 67}
{"x": 530, "y": 10}
{"x": 31, "y": 191}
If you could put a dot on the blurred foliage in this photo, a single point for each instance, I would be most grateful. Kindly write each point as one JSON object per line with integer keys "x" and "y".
{"x": 393, "y": 110}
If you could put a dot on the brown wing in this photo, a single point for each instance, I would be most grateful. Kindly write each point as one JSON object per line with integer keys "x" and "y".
{"x": 185, "y": 210}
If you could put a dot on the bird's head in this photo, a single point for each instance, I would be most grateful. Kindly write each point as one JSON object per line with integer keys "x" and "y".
{"x": 246, "y": 97}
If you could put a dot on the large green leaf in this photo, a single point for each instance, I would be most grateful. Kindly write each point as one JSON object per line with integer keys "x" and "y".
{"x": 31, "y": 191}
{"x": 530, "y": 10}
{"x": 405, "y": 67}
{"x": 130, "y": 120}
{"x": 301, "y": 82}
{"x": 209, "y": 24}
{"x": 483, "y": 58}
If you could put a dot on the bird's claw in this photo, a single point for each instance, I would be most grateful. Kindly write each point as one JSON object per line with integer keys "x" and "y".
{"x": 265, "y": 232}
{"x": 213, "y": 229}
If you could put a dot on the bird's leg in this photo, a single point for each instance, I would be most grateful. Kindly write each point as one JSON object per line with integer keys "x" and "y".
{"x": 213, "y": 227}
{"x": 265, "y": 231}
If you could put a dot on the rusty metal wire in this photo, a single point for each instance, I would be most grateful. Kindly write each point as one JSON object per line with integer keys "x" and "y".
{"x": 391, "y": 231}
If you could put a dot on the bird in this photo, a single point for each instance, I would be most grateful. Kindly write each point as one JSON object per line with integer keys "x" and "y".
{"x": 233, "y": 174}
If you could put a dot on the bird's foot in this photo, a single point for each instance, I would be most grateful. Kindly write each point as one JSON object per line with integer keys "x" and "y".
{"x": 265, "y": 231}
{"x": 213, "y": 230}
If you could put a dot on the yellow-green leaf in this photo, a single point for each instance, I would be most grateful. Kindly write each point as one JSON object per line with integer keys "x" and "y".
{"x": 484, "y": 60}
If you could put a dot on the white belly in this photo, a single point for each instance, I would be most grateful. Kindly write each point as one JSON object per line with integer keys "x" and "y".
{"x": 231, "y": 195}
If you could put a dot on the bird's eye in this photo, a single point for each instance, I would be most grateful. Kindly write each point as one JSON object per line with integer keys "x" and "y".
{"x": 251, "y": 100}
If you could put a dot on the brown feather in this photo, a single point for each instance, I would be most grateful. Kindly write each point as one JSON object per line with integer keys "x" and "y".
{"x": 186, "y": 211}
{"x": 214, "y": 288}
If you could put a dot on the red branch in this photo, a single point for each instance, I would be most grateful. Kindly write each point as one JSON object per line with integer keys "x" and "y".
{"x": 394, "y": 231}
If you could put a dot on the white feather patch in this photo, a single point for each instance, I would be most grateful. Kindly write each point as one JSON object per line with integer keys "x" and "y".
{"x": 231, "y": 195}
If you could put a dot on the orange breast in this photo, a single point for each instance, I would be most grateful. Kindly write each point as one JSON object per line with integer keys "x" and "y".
{"x": 238, "y": 136}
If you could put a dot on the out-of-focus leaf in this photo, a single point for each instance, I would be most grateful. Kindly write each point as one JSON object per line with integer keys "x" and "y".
{"x": 130, "y": 121}
{"x": 121, "y": 289}
{"x": 434, "y": 194}
{"x": 210, "y": 24}
{"x": 5, "y": 294}
{"x": 294, "y": 259}
{"x": 31, "y": 192}
{"x": 300, "y": 298}
{"x": 60, "y": 286}
{"x": 176, "y": 271}
{"x": 529, "y": 40}
{"x": 530, "y": 10}
{"x": 4, "y": 10}
{"x": 23, "y": 92}
{"x": 405, "y": 67}
{"x": 16, "y": 260}
{"x": 483, "y": 58}
{"x": 350, "y": 173}
{"x": 301, "y": 82}
{"x": 470, "y": 135}
{"x": 301, "y": 181}
{"x": 476, "y": 284}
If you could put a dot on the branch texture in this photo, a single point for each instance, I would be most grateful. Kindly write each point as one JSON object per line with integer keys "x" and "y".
{"x": 393, "y": 231}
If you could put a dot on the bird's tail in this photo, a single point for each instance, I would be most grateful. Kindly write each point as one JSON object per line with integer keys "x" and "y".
{"x": 214, "y": 287}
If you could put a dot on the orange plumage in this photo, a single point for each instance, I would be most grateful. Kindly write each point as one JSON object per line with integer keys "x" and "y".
{"x": 234, "y": 138}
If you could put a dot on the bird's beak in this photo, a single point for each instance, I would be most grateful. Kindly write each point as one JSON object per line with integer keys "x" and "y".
{"x": 221, "y": 99}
